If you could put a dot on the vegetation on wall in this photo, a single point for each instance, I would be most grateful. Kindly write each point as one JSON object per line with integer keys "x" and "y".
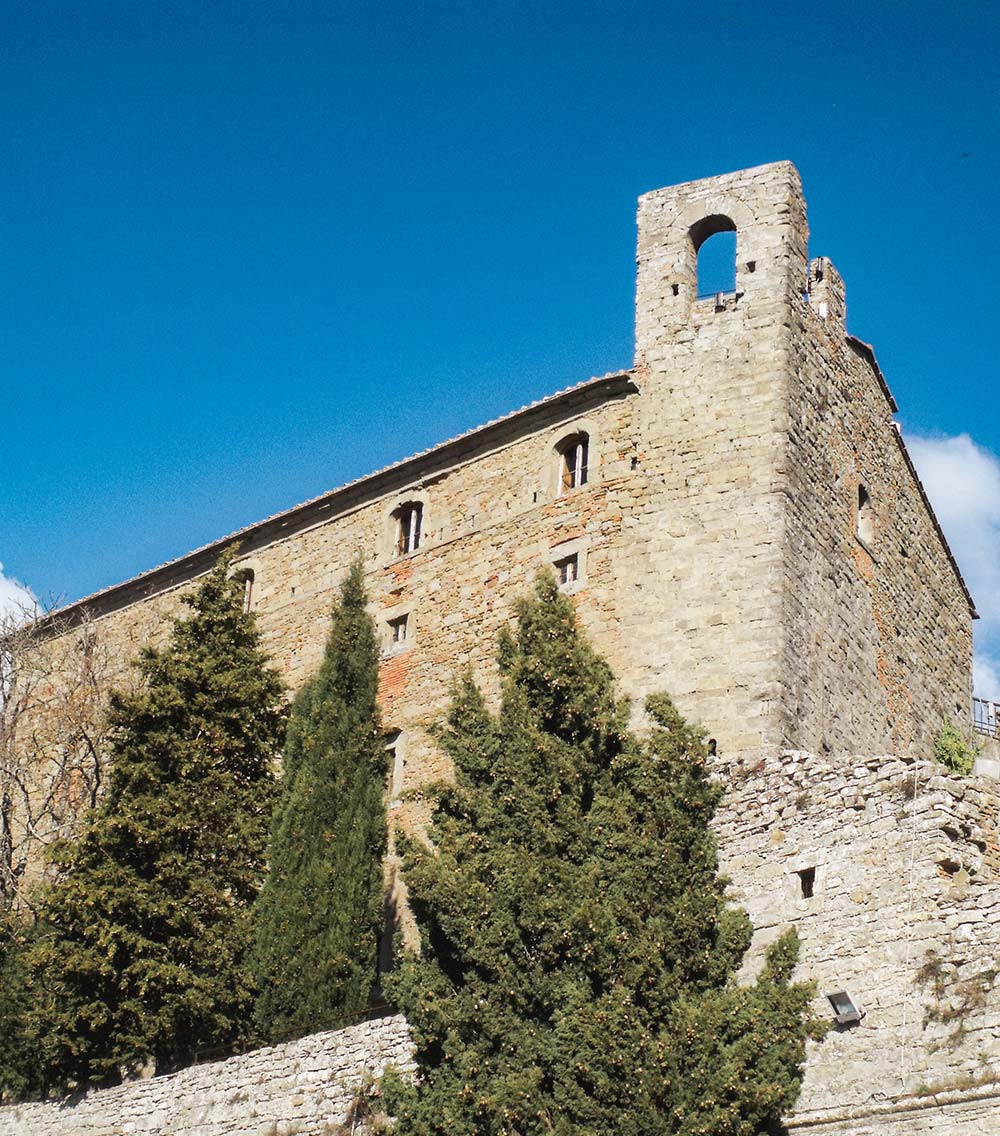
{"x": 577, "y": 971}
{"x": 139, "y": 957}
{"x": 319, "y": 916}
{"x": 953, "y": 751}
{"x": 51, "y": 764}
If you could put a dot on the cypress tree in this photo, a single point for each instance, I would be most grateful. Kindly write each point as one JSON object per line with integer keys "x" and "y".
{"x": 578, "y": 960}
{"x": 143, "y": 936}
{"x": 319, "y": 914}
{"x": 18, "y": 1068}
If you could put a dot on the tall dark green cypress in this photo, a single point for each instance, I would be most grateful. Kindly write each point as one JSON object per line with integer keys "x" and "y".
{"x": 577, "y": 972}
{"x": 319, "y": 916}
{"x": 141, "y": 945}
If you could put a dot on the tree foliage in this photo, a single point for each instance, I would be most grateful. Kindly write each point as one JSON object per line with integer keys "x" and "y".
{"x": 319, "y": 914}
{"x": 142, "y": 938}
{"x": 18, "y": 1073}
{"x": 578, "y": 961}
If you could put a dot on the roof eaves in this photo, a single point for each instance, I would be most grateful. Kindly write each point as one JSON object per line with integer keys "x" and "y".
{"x": 172, "y": 572}
{"x": 868, "y": 353}
{"x": 934, "y": 521}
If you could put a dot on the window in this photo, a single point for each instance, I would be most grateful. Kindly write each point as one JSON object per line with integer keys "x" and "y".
{"x": 397, "y": 629}
{"x": 574, "y": 453}
{"x": 395, "y": 764}
{"x": 866, "y": 527}
{"x": 409, "y": 518}
{"x": 714, "y": 240}
{"x": 246, "y": 575}
{"x": 807, "y": 882}
{"x": 568, "y": 569}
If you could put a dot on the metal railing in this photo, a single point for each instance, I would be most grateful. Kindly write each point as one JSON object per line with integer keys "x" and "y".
{"x": 986, "y": 717}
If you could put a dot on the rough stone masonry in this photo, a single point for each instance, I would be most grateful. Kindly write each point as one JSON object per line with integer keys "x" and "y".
{"x": 741, "y": 526}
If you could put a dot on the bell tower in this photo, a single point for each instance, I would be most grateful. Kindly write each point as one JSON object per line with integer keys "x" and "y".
{"x": 715, "y": 373}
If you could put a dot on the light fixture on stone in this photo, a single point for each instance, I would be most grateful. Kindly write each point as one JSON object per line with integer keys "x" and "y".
{"x": 845, "y": 1010}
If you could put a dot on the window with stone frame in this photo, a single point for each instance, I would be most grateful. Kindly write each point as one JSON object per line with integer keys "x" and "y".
{"x": 409, "y": 523}
{"x": 246, "y": 575}
{"x": 574, "y": 455}
{"x": 567, "y": 569}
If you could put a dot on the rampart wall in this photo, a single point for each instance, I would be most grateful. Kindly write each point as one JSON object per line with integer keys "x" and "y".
{"x": 904, "y": 914}
{"x": 308, "y": 1086}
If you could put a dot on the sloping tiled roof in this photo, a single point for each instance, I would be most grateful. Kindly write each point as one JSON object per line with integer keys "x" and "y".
{"x": 371, "y": 485}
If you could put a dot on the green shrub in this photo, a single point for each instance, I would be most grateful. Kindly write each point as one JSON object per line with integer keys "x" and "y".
{"x": 953, "y": 752}
{"x": 140, "y": 954}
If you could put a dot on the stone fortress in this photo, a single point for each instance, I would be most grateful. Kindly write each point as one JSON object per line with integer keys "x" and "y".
{"x": 741, "y": 526}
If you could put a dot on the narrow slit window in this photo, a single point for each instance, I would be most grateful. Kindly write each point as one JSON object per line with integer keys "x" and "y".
{"x": 568, "y": 569}
{"x": 807, "y": 882}
{"x": 395, "y": 765}
{"x": 575, "y": 458}
{"x": 866, "y": 527}
{"x": 246, "y": 575}
{"x": 409, "y": 520}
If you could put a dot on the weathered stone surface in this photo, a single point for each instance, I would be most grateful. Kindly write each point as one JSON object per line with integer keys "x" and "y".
{"x": 904, "y": 914}
{"x": 969, "y": 1112}
{"x": 305, "y": 1086}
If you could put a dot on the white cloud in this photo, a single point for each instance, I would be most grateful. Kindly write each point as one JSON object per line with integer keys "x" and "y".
{"x": 986, "y": 677}
{"x": 16, "y": 600}
{"x": 963, "y": 483}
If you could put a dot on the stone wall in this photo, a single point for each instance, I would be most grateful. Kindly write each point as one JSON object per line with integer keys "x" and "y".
{"x": 901, "y": 861}
{"x": 307, "y": 1086}
{"x": 974, "y": 1111}
{"x": 879, "y": 641}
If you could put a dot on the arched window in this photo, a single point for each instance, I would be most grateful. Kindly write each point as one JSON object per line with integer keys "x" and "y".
{"x": 714, "y": 240}
{"x": 866, "y": 527}
{"x": 409, "y": 518}
{"x": 574, "y": 454}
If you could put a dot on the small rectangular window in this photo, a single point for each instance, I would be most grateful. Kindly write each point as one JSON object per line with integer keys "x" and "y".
{"x": 568, "y": 569}
{"x": 398, "y": 629}
{"x": 807, "y": 882}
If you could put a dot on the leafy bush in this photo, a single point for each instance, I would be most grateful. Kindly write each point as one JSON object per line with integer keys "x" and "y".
{"x": 953, "y": 752}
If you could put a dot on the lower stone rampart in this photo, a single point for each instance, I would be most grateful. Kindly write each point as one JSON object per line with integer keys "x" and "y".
{"x": 969, "y": 1112}
{"x": 887, "y": 867}
{"x": 303, "y": 1087}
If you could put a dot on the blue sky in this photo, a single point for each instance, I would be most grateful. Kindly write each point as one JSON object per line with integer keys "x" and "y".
{"x": 250, "y": 251}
